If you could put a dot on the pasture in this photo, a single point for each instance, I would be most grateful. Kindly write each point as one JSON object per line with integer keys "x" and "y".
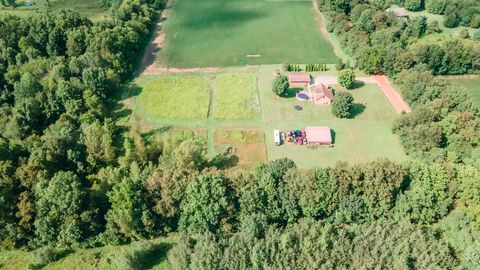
{"x": 239, "y": 32}
{"x": 91, "y": 9}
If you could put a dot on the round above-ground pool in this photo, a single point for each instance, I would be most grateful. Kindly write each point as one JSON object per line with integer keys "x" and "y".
{"x": 302, "y": 96}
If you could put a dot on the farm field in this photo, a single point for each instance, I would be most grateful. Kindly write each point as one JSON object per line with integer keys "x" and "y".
{"x": 473, "y": 86}
{"x": 92, "y": 9}
{"x": 228, "y": 123}
{"x": 228, "y": 110}
{"x": 236, "y": 97}
{"x": 175, "y": 98}
{"x": 239, "y": 32}
{"x": 366, "y": 137}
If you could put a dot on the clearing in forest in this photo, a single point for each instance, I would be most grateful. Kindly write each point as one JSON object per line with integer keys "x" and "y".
{"x": 217, "y": 33}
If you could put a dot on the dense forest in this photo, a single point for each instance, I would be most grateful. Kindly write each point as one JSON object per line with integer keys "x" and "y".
{"x": 70, "y": 176}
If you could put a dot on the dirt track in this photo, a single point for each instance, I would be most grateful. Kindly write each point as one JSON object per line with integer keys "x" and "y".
{"x": 393, "y": 96}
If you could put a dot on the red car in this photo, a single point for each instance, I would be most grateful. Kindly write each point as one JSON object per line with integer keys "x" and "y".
{"x": 300, "y": 140}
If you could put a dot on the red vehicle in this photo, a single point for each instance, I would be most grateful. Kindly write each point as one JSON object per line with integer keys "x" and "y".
{"x": 300, "y": 140}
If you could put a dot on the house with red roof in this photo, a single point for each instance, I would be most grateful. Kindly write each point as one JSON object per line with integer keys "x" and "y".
{"x": 299, "y": 79}
{"x": 321, "y": 94}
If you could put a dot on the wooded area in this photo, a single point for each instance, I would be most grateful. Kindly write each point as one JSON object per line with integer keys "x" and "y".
{"x": 71, "y": 177}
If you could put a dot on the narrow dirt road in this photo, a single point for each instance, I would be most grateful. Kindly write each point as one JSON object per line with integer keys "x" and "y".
{"x": 393, "y": 96}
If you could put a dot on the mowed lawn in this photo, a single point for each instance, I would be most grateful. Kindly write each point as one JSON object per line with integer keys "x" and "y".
{"x": 93, "y": 9}
{"x": 225, "y": 32}
{"x": 236, "y": 97}
{"x": 473, "y": 87}
{"x": 364, "y": 138}
{"x": 173, "y": 97}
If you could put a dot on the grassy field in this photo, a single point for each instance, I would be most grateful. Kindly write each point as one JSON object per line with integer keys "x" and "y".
{"x": 88, "y": 8}
{"x": 175, "y": 98}
{"x": 107, "y": 257}
{"x": 366, "y": 137}
{"x": 236, "y": 97}
{"x": 473, "y": 86}
{"x": 239, "y": 32}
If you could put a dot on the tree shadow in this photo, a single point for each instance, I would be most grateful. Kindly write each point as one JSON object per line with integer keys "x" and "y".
{"x": 156, "y": 255}
{"x": 357, "y": 109}
{"x": 292, "y": 92}
{"x": 357, "y": 84}
{"x": 225, "y": 161}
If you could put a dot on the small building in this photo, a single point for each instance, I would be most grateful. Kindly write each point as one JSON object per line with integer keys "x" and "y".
{"x": 318, "y": 135}
{"x": 299, "y": 79}
{"x": 321, "y": 94}
{"x": 400, "y": 12}
{"x": 276, "y": 137}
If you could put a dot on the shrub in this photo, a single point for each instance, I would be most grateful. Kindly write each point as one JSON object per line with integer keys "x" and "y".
{"x": 342, "y": 105}
{"x": 451, "y": 20}
{"x": 464, "y": 33}
{"x": 347, "y": 78}
{"x": 280, "y": 85}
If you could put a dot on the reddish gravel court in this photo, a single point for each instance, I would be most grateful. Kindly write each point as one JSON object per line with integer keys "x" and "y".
{"x": 393, "y": 96}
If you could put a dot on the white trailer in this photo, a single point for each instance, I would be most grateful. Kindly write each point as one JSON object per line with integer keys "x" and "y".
{"x": 276, "y": 137}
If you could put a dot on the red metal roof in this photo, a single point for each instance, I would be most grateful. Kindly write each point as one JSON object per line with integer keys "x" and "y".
{"x": 318, "y": 135}
{"x": 299, "y": 77}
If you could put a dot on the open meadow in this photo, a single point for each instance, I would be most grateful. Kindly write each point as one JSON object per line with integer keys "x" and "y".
{"x": 239, "y": 32}
{"x": 93, "y": 9}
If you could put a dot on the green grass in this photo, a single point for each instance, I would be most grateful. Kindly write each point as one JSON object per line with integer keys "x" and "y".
{"x": 88, "y": 8}
{"x": 224, "y": 32}
{"x": 175, "y": 97}
{"x": 473, "y": 87}
{"x": 93, "y": 258}
{"x": 236, "y": 97}
{"x": 365, "y": 138}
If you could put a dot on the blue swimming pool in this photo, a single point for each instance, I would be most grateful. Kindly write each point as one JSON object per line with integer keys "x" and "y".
{"x": 302, "y": 96}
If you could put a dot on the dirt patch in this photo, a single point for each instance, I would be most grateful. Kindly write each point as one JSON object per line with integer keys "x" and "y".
{"x": 247, "y": 144}
{"x": 321, "y": 21}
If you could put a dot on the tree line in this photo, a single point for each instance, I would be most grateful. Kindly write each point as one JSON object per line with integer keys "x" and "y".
{"x": 379, "y": 42}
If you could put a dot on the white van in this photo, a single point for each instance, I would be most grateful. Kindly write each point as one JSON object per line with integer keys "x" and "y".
{"x": 276, "y": 137}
